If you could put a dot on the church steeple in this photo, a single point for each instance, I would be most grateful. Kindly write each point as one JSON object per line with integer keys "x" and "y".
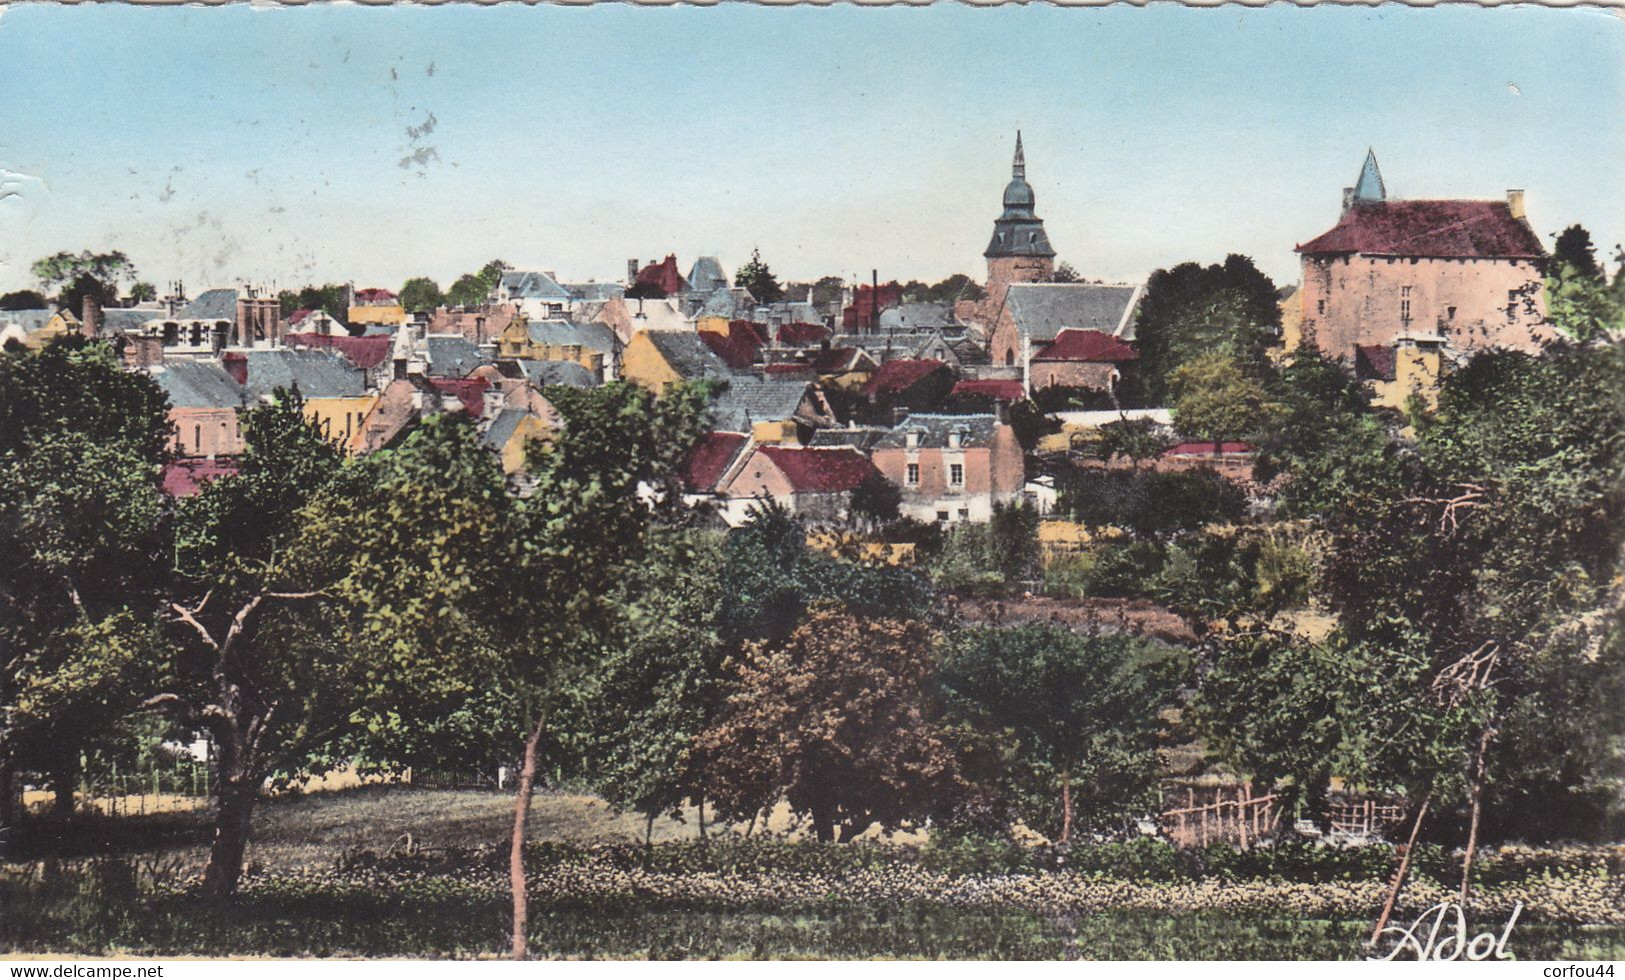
{"x": 1018, "y": 231}
{"x": 1018, "y": 169}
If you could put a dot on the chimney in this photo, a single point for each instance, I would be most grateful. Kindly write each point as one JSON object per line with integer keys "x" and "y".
{"x": 90, "y": 315}
{"x": 236, "y": 365}
{"x": 1515, "y": 203}
{"x": 144, "y": 350}
{"x": 631, "y": 271}
{"x": 1348, "y": 199}
{"x": 956, "y": 438}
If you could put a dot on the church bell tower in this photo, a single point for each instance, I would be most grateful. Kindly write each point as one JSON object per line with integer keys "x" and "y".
{"x": 1019, "y": 250}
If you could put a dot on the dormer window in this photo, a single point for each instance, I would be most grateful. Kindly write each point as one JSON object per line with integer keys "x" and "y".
{"x": 911, "y": 439}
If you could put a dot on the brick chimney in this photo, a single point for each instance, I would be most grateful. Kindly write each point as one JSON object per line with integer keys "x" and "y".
{"x": 1515, "y": 203}
{"x": 144, "y": 349}
{"x": 90, "y": 315}
{"x": 631, "y": 271}
{"x": 236, "y": 365}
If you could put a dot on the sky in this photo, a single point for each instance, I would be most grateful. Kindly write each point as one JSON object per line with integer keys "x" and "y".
{"x": 368, "y": 144}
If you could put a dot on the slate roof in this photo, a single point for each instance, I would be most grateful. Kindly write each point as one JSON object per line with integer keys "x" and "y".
{"x": 687, "y": 354}
{"x": 1430, "y": 229}
{"x": 706, "y": 275}
{"x": 1086, "y": 345}
{"x": 896, "y": 376}
{"x": 1374, "y": 362}
{"x": 862, "y": 439}
{"x": 566, "y": 373}
{"x": 710, "y": 460}
{"x": 125, "y": 320}
{"x": 917, "y": 315}
{"x": 318, "y": 373}
{"x": 199, "y": 384}
{"x": 533, "y": 285}
{"x": 726, "y": 302}
{"x": 453, "y": 357}
{"x": 211, "y": 304}
{"x": 29, "y": 320}
{"x": 594, "y": 291}
{"x": 502, "y": 428}
{"x": 978, "y": 431}
{"x": 1042, "y": 310}
{"x": 750, "y": 400}
{"x": 364, "y": 352}
{"x": 563, "y": 333}
{"x": 833, "y": 470}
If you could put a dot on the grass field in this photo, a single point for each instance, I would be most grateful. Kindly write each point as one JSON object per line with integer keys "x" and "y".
{"x": 330, "y": 875}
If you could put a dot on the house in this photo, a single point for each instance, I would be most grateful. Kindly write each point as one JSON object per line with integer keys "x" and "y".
{"x": 370, "y": 354}
{"x": 1467, "y": 271}
{"x": 982, "y": 394}
{"x": 659, "y": 276}
{"x": 219, "y": 318}
{"x": 917, "y": 317}
{"x": 594, "y": 346}
{"x": 907, "y": 386}
{"x": 1079, "y": 359}
{"x": 773, "y": 410}
{"x": 203, "y": 404}
{"x": 799, "y": 333}
{"x": 732, "y": 303}
{"x": 657, "y": 359}
{"x": 334, "y": 390}
{"x": 864, "y": 306}
{"x": 511, "y": 429}
{"x": 538, "y": 295}
{"x": 376, "y": 306}
{"x": 452, "y": 357}
{"x": 1034, "y": 314}
{"x": 903, "y": 345}
{"x": 816, "y": 484}
{"x": 846, "y": 367}
{"x": 951, "y": 468}
{"x": 479, "y": 325}
{"x": 394, "y": 411}
{"x": 34, "y": 329}
{"x": 1412, "y": 366}
{"x": 628, "y": 316}
{"x": 711, "y": 463}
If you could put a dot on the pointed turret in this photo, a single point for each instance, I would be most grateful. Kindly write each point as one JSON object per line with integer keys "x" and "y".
{"x": 1370, "y": 187}
{"x": 1018, "y": 231}
{"x": 1018, "y": 168}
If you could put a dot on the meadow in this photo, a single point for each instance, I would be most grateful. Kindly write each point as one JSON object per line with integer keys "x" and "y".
{"x": 406, "y": 872}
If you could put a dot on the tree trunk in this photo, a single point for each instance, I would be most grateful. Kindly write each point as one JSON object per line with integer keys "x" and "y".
{"x": 1479, "y": 762}
{"x": 10, "y": 811}
{"x": 649, "y": 830}
{"x": 234, "y": 809}
{"x": 702, "y": 818}
{"x": 1066, "y": 808}
{"x": 1400, "y": 872}
{"x": 64, "y": 780}
{"x": 516, "y": 853}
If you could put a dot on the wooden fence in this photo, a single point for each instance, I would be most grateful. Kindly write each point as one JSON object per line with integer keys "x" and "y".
{"x": 1242, "y": 819}
{"x": 1364, "y": 818}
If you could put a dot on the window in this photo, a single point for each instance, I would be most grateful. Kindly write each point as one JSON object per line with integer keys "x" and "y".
{"x": 956, "y": 474}
{"x": 197, "y": 438}
{"x": 1320, "y": 307}
{"x": 964, "y": 514}
{"x": 913, "y": 477}
{"x": 942, "y": 516}
{"x": 1450, "y": 313}
{"x": 1405, "y": 303}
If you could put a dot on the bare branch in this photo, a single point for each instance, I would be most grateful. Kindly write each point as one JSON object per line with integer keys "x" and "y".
{"x": 185, "y": 615}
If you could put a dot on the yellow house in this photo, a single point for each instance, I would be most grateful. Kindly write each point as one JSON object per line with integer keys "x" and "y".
{"x": 510, "y": 432}
{"x": 1411, "y": 367}
{"x": 591, "y": 345}
{"x": 34, "y": 329}
{"x": 657, "y": 359}
{"x": 340, "y": 418}
{"x": 376, "y": 306}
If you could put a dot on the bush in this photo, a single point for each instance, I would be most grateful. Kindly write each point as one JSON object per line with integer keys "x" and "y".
{"x": 1149, "y": 502}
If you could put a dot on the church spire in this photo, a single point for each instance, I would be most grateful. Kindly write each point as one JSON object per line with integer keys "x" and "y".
{"x": 1370, "y": 187}
{"x": 1018, "y": 168}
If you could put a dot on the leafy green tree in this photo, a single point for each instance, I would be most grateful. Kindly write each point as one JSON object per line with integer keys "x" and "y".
{"x": 332, "y": 298}
{"x": 475, "y": 288}
{"x": 82, "y": 525}
{"x": 1214, "y": 398}
{"x": 1134, "y": 439}
{"x": 1064, "y": 273}
{"x": 1583, "y": 307}
{"x": 838, "y": 721}
{"x": 421, "y": 295}
{"x": 1575, "y": 252}
{"x": 23, "y": 299}
{"x": 105, "y": 270}
{"x": 1148, "y": 502}
{"x": 956, "y": 287}
{"x": 242, "y": 668}
{"x": 143, "y": 292}
{"x": 1080, "y": 711}
{"x": 876, "y": 500}
{"x": 759, "y": 279}
{"x": 1192, "y": 309}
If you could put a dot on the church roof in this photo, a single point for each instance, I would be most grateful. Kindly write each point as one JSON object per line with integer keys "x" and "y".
{"x": 1043, "y": 310}
{"x": 1019, "y": 231}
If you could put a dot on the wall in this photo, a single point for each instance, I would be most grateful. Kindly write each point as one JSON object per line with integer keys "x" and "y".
{"x": 388, "y": 315}
{"x": 1362, "y": 296}
{"x": 642, "y": 365}
{"x": 205, "y": 432}
{"x": 340, "y": 418}
{"x": 1073, "y": 374}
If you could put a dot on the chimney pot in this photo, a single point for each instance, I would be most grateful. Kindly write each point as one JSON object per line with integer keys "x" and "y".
{"x": 1515, "y": 202}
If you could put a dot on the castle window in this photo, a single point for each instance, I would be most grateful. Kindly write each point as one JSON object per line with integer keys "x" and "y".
{"x": 1405, "y": 303}
{"x": 913, "y": 477}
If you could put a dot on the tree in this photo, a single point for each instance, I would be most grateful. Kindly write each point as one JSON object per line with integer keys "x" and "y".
{"x": 1064, "y": 273}
{"x": 1136, "y": 439}
{"x": 22, "y": 299}
{"x": 1574, "y": 252}
{"x": 1192, "y": 309}
{"x": 82, "y": 525}
{"x": 107, "y": 269}
{"x": 759, "y": 279}
{"x": 243, "y": 669}
{"x": 1080, "y": 711}
{"x": 143, "y": 292}
{"x": 1213, "y": 398}
{"x": 876, "y": 500}
{"x": 838, "y": 721}
{"x": 421, "y": 295}
{"x": 332, "y": 298}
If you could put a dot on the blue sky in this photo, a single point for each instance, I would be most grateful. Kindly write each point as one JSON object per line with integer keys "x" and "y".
{"x": 336, "y": 143}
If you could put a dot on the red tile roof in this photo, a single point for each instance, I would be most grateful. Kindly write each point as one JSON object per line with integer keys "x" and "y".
{"x": 364, "y": 352}
{"x": 1207, "y": 448}
{"x": 802, "y": 334}
{"x": 757, "y": 332}
{"x": 469, "y": 391}
{"x": 833, "y": 360}
{"x": 1086, "y": 345}
{"x": 1002, "y": 389}
{"x": 896, "y": 376}
{"x": 706, "y": 465}
{"x": 738, "y": 346}
{"x": 379, "y": 297}
{"x": 1430, "y": 229}
{"x": 1374, "y": 362}
{"x": 834, "y": 470}
{"x": 186, "y": 477}
{"x": 297, "y": 315}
